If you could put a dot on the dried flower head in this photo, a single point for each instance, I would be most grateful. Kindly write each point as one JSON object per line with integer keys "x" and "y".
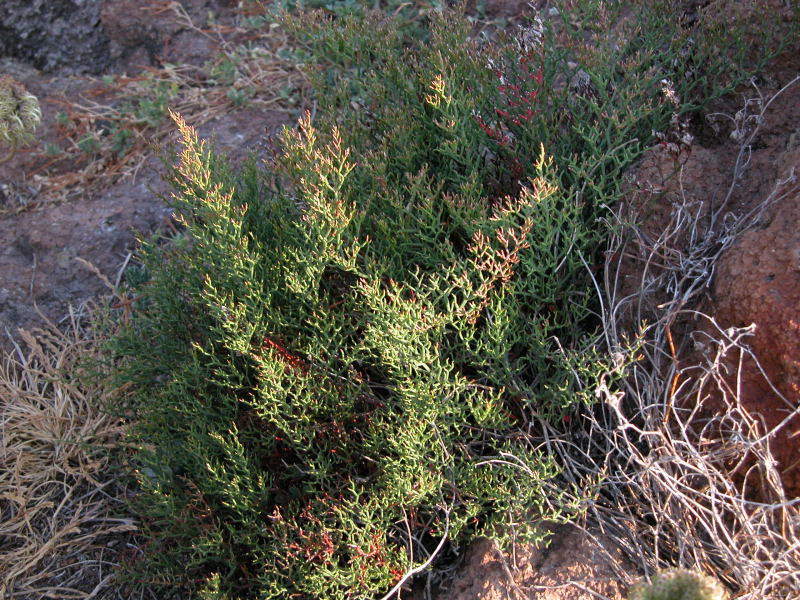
{"x": 529, "y": 39}
{"x": 677, "y": 140}
{"x": 582, "y": 85}
{"x": 19, "y": 113}
{"x": 679, "y": 584}
{"x": 669, "y": 93}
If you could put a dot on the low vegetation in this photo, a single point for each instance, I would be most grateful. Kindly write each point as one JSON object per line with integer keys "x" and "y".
{"x": 352, "y": 358}
{"x": 19, "y": 115}
{"x": 343, "y": 359}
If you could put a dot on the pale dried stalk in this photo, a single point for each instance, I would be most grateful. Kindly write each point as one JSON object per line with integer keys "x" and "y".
{"x": 666, "y": 449}
{"x": 58, "y": 496}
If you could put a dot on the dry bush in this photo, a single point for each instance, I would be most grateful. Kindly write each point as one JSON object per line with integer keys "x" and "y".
{"x": 671, "y": 448}
{"x": 59, "y": 531}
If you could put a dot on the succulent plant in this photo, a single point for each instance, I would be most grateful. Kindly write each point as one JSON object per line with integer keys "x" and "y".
{"x": 20, "y": 114}
{"x": 679, "y": 584}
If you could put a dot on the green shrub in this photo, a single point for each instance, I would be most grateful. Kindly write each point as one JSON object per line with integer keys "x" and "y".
{"x": 341, "y": 361}
{"x": 315, "y": 408}
{"x": 679, "y": 584}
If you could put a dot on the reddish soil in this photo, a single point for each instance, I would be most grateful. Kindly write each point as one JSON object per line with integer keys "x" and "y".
{"x": 758, "y": 281}
{"x": 575, "y": 566}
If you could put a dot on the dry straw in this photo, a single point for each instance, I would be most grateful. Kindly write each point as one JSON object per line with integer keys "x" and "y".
{"x": 59, "y": 534}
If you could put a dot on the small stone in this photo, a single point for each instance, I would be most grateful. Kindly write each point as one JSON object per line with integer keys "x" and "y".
{"x": 63, "y": 259}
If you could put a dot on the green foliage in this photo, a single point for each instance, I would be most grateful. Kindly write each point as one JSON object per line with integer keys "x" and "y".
{"x": 679, "y": 584}
{"x": 151, "y": 106}
{"x": 342, "y": 357}
{"x": 309, "y": 397}
{"x": 223, "y": 71}
{"x": 122, "y": 139}
{"x": 89, "y": 143}
{"x": 238, "y": 97}
{"x": 51, "y": 149}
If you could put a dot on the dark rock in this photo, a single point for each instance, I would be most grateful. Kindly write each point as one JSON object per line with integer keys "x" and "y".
{"x": 54, "y": 34}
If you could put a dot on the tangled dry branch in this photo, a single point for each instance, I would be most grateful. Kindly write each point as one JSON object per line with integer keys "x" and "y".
{"x": 687, "y": 475}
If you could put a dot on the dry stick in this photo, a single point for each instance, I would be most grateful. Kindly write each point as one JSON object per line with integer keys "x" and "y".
{"x": 572, "y": 583}
{"x": 676, "y": 376}
{"x": 509, "y": 575}
{"x": 745, "y": 148}
{"x": 33, "y": 277}
{"x": 419, "y": 568}
{"x": 678, "y": 493}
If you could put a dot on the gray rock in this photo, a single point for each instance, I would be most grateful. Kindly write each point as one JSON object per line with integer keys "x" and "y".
{"x": 55, "y": 34}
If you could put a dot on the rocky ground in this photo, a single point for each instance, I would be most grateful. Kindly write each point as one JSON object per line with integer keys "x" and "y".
{"x": 62, "y": 212}
{"x": 79, "y": 205}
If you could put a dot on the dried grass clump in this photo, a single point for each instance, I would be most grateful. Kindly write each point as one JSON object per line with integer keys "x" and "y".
{"x": 20, "y": 114}
{"x": 59, "y": 532}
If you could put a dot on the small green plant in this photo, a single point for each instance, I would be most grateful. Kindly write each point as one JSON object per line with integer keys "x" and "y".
{"x": 151, "y": 107}
{"x": 122, "y": 139}
{"x": 679, "y": 584}
{"x": 51, "y": 149}
{"x": 238, "y": 97}
{"x": 89, "y": 144}
{"x": 223, "y": 71}
{"x": 63, "y": 119}
{"x": 20, "y": 115}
